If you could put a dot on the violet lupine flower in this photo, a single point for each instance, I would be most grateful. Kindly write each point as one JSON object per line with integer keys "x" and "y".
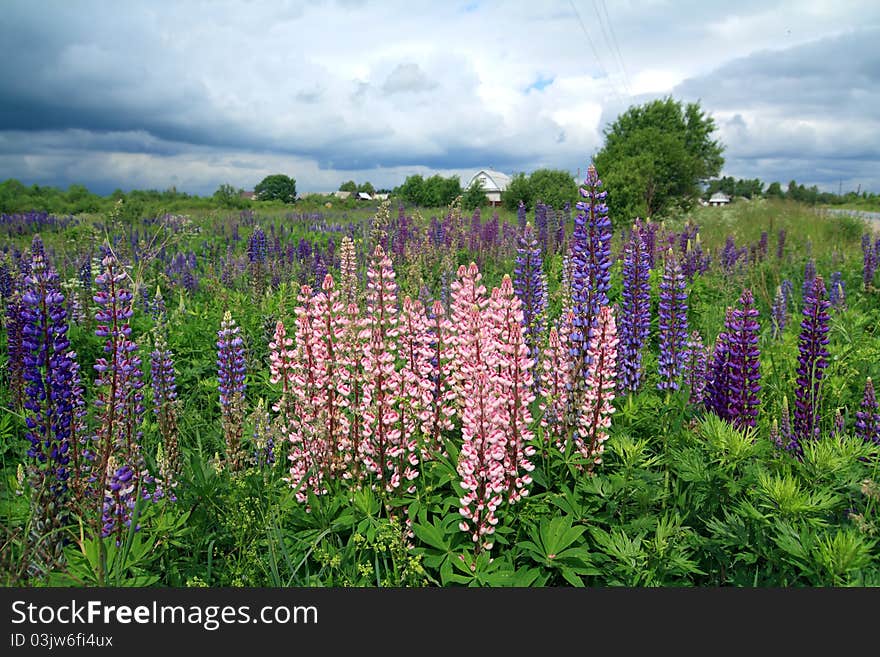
{"x": 839, "y": 425}
{"x": 779, "y": 313}
{"x": 780, "y": 244}
{"x": 729, "y": 254}
{"x": 782, "y": 437}
{"x": 530, "y": 289}
{"x": 635, "y": 322}
{"x": 695, "y": 365}
{"x": 867, "y": 426}
{"x": 809, "y": 277}
{"x": 48, "y": 369}
{"x": 836, "y": 291}
{"x": 119, "y": 383}
{"x": 231, "y": 375}
{"x": 673, "y": 323}
{"x": 521, "y": 216}
{"x": 541, "y": 226}
{"x": 762, "y": 245}
{"x": 591, "y": 262}
{"x": 735, "y": 378}
{"x": 119, "y": 502}
{"x": 15, "y": 347}
{"x": 869, "y": 261}
{"x": 164, "y": 387}
{"x": 5, "y": 281}
{"x": 787, "y": 291}
{"x": 812, "y": 361}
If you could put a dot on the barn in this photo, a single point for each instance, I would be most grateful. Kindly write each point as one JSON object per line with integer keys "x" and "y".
{"x": 718, "y": 199}
{"x": 493, "y": 183}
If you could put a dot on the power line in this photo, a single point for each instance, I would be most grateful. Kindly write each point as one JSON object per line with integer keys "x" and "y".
{"x": 616, "y": 47}
{"x": 596, "y": 53}
{"x": 608, "y": 46}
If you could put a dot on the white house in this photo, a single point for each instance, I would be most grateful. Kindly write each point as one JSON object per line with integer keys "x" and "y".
{"x": 492, "y": 182}
{"x": 719, "y": 198}
{"x": 363, "y": 196}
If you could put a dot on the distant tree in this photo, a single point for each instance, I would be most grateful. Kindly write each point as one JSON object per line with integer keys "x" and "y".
{"x": 276, "y": 187}
{"x": 412, "y": 190}
{"x": 774, "y": 190}
{"x": 519, "y": 189}
{"x": 553, "y": 187}
{"x": 474, "y": 196}
{"x": 348, "y": 186}
{"x": 228, "y": 196}
{"x": 366, "y": 187}
{"x": 662, "y": 152}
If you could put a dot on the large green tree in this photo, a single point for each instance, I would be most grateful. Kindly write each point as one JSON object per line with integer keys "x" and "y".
{"x": 553, "y": 187}
{"x": 656, "y": 157}
{"x": 276, "y": 187}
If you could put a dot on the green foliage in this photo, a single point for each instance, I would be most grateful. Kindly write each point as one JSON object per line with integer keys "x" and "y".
{"x": 553, "y": 187}
{"x": 474, "y": 197}
{"x": 655, "y": 156}
{"x": 517, "y": 190}
{"x": 228, "y": 196}
{"x": 276, "y": 187}
{"x": 348, "y": 186}
{"x": 433, "y": 192}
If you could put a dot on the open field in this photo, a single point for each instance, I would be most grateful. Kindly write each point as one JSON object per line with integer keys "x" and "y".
{"x": 337, "y": 398}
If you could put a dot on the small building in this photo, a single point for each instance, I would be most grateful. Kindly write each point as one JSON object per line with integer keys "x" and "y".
{"x": 250, "y": 196}
{"x": 363, "y": 196}
{"x": 342, "y": 195}
{"x": 718, "y": 199}
{"x": 493, "y": 183}
{"x": 381, "y": 197}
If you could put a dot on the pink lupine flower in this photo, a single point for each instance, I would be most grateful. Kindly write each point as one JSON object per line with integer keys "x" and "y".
{"x": 348, "y": 271}
{"x": 468, "y": 293}
{"x": 331, "y": 400}
{"x": 415, "y": 376}
{"x": 556, "y": 372}
{"x": 513, "y": 382}
{"x": 308, "y": 451}
{"x": 481, "y": 461}
{"x": 387, "y": 447}
{"x": 443, "y": 403}
{"x": 592, "y": 424}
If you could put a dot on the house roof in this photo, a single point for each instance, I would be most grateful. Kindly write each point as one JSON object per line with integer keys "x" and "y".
{"x": 491, "y": 181}
{"x": 363, "y": 196}
{"x": 720, "y": 196}
{"x": 341, "y": 194}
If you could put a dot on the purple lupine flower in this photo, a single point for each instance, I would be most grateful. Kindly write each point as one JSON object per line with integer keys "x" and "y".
{"x": 695, "y": 365}
{"x": 809, "y": 277}
{"x": 762, "y": 246}
{"x": 5, "y": 281}
{"x": 780, "y": 244}
{"x": 785, "y": 432}
{"x": 635, "y": 315}
{"x": 591, "y": 262}
{"x": 165, "y": 406}
{"x": 231, "y": 374}
{"x": 521, "y": 216}
{"x": 779, "y": 313}
{"x": 529, "y": 286}
{"x": 49, "y": 370}
{"x": 839, "y": 425}
{"x": 119, "y": 501}
{"x": 867, "y": 426}
{"x": 729, "y": 254}
{"x": 812, "y": 361}
{"x": 836, "y": 290}
{"x": 562, "y": 225}
{"x": 871, "y": 255}
{"x": 673, "y": 323}
{"x": 740, "y": 377}
{"x": 119, "y": 382}
{"x": 541, "y": 226}
{"x": 14, "y": 346}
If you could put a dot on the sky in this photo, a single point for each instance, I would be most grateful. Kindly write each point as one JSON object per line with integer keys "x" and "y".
{"x": 194, "y": 94}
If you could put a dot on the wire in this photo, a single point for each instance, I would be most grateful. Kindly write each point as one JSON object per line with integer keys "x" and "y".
{"x": 616, "y": 47}
{"x": 596, "y": 54}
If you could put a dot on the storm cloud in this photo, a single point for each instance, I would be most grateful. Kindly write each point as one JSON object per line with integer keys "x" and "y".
{"x": 195, "y": 94}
